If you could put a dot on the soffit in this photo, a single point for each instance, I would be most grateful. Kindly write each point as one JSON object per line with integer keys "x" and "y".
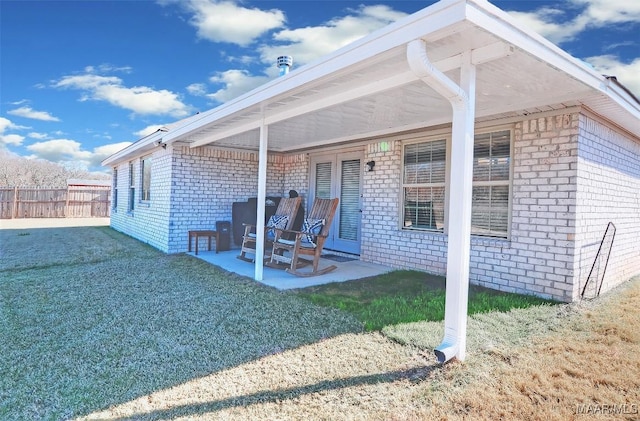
{"x": 367, "y": 89}
{"x": 518, "y": 84}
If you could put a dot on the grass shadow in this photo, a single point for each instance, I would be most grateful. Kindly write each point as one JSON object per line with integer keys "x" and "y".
{"x": 412, "y": 375}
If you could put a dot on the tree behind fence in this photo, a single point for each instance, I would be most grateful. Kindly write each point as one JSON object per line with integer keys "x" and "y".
{"x": 71, "y": 202}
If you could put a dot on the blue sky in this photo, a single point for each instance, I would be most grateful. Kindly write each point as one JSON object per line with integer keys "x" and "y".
{"x": 80, "y": 80}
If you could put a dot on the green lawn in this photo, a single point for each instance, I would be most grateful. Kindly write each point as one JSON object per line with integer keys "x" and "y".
{"x": 407, "y": 296}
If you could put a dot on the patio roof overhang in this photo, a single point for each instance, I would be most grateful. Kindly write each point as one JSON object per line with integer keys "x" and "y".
{"x": 367, "y": 89}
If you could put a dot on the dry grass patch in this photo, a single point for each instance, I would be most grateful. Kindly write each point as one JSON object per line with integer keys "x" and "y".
{"x": 589, "y": 367}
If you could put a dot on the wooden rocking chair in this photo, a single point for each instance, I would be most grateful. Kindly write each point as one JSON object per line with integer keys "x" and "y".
{"x": 283, "y": 218}
{"x": 308, "y": 242}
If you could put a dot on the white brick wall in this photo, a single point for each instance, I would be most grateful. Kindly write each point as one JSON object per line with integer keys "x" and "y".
{"x": 538, "y": 256}
{"x": 207, "y": 180}
{"x": 571, "y": 175}
{"x": 608, "y": 189}
{"x": 149, "y": 221}
{"x": 563, "y": 194}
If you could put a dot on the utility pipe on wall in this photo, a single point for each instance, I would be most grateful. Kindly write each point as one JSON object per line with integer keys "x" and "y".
{"x": 462, "y": 99}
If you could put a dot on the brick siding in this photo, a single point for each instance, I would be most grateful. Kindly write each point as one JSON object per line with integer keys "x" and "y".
{"x": 571, "y": 175}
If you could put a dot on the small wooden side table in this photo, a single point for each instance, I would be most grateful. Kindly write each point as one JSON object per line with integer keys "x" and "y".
{"x": 203, "y": 233}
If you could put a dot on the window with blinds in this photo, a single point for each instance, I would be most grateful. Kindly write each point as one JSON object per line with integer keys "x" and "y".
{"x": 145, "y": 164}
{"x": 132, "y": 187}
{"x": 349, "y": 200}
{"x": 323, "y": 180}
{"x": 491, "y": 177}
{"x": 424, "y": 184}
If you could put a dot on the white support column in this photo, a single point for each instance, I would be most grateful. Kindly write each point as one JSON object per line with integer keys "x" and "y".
{"x": 262, "y": 196}
{"x": 459, "y": 228}
{"x": 462, "y": 98}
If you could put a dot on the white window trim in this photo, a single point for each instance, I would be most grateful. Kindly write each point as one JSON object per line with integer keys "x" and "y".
{"x": 439, "y": 135}
{"x": 114, "y": 190}
{"x": 403, "y": 186}
{"x": 142, "y": 190}
{"x": 131, "y": 188}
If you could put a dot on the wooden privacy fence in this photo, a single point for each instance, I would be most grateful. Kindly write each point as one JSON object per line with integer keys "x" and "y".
{"x": 71, "y": 202}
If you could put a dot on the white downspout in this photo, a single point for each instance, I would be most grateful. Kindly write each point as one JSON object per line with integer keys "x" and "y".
{"x": 462, "y": 100}
{"x": 262, "y": 196}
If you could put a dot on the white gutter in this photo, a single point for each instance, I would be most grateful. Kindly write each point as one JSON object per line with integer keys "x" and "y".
{"x": 462, "y": 100}
{"x": 146, "y": 143}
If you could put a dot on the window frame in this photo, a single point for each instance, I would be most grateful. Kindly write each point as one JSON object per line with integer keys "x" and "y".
{"x": 114, "y": 190}
{"x": 430, "y": 185}
{"x": 497, "y": 183}
{"x": 145, "y": 193}
{"x": 132, "y": 187}
{"x": 448, "y": 138}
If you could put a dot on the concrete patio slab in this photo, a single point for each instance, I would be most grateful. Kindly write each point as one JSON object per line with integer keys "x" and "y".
{"x": 345, "y": 271}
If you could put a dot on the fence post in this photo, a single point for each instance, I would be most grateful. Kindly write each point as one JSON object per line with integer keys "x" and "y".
{"x": 66, "y": 204}
{"x": 14, "y": 207}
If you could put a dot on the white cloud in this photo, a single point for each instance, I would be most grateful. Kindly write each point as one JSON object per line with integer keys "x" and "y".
{"x": 6, "y": 124}
{"x": 236, "y": 83}
{"x": 58, "y": 150}
{"x": 599, "y": 13}
{"x": 106, "y": 68}
{"x": 9, "y": 139}
{"x": 39, "y": 136}
{"x": 100, "y": 153}
{"x": 28, "y": 112}
{"x": 552, "y": 24}
{"x": 627, "y": 74}
{"x": 139, "y": 99}
{"x": 548, "y": 22}
{"x": 197, "y": 89}
{"x": 243, "y": 59}
{"x": 225, "y": 21}
{"x": 70, "y": 152}
{"x": 307, "y": 44}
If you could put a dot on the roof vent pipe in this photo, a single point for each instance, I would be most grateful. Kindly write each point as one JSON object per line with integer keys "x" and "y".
{"x": 284, "y": 63}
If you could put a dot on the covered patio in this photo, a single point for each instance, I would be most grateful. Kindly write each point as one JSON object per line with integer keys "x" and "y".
{"x": 347, "y": 269}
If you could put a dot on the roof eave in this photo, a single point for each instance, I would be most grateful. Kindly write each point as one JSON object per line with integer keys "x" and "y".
{"x": 141, "y": 146}
{"x": 442, "y": 17}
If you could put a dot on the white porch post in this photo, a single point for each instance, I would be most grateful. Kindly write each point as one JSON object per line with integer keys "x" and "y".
{"x": 459, "y": 223}
{"x": 462, "y": 98}
{"x": 262, "y": 196}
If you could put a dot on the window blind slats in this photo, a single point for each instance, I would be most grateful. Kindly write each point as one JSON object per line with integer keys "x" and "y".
{"x": 323, "y": 180}
{"x": 349, "y": 200}
{"x": 424, "y": 179}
